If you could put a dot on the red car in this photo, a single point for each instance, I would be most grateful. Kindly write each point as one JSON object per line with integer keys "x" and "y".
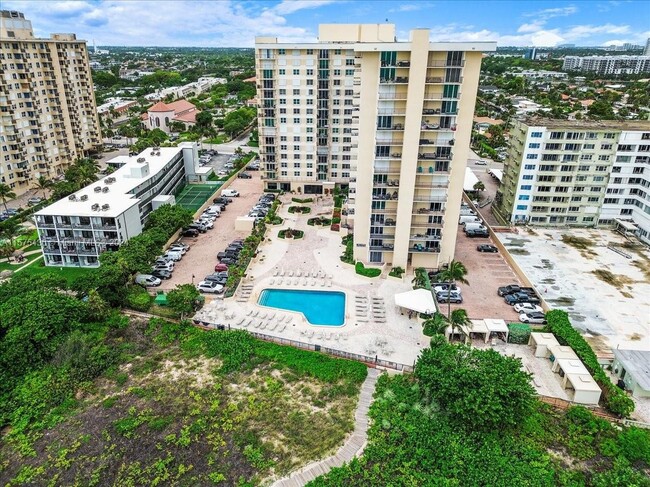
{"x": 220, "y": 267}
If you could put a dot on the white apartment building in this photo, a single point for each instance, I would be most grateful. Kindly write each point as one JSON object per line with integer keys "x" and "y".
{"x": 202, "y": 85}
{"x": 48, "y": 115}
{"x": 562, "y": 172}
{"x": 390, "y": 120}
{"x": 608, "y": 64}
{"x": 105, "y": 214}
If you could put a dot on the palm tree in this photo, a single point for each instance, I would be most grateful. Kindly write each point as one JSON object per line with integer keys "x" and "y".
{"x": 457, "y": 319}
{"x": 6, "y": 194}
{"x": 455, "y": 272}
{"x": 43, "y": 184}
{"x": 436, "y": 324}
{"x": 419, "y": 279}
{"x": 479, "y": 186}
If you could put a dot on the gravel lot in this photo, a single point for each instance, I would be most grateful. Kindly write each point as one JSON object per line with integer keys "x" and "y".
{"x": 202, "y": 256}
{"x": 485, "y": 273}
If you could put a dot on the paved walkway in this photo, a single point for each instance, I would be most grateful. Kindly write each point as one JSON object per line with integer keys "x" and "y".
{"x": 353, "y": 447}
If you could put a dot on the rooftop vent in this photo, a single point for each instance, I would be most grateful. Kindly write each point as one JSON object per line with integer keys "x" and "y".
{"x": 97, "y": 189}
{"x": 110, "y": 180}
{"x": 106, "y": 207}
{"x": 152, "y": 153}
{"x": 105, "y": 189}
{"x": 84, "y": 197}
{"x": 141, "y": 159}
{"x": 72, "y": 197}
{"x": 95, "y": 207}
{"x": 158, "y": 153}
{"x": 157, "y": 148}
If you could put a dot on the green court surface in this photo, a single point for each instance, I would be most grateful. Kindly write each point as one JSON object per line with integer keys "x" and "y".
{"x": 192, "y": 196}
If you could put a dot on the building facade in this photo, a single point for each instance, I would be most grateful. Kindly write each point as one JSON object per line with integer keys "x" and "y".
{"x": 560, "y": 172}
{"x": 49, "y": 117}
{"x": 75, "y": 230}
{"x": 389, "y": 120}
{"x": 161, "y": 115}
{"x": 608, "y": 64}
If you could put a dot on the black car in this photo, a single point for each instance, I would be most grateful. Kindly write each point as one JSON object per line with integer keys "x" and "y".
{"x": 222, "y": 200}
{"x": 252, "y": 167}
{"x": 236, "y": 245}
{"x": 477, "y": 233}
{"x": 190, "y": 232}
{"x": 228, "y": 261}
{"x": 216, "y": 277}
{"x": 487, "y": 248}
{"x": 198, "y": 227}
{"x": 244, "y": 175}
{"x": 161, "y": 274}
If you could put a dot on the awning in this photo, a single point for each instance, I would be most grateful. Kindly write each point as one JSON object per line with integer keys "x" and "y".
{"x": 627, "y": 225}
{"x": 419, "y": 300}
{"x": 470, "y": 180}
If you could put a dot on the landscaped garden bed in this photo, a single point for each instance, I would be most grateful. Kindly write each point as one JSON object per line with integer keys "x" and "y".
{"x": 291, "y": 233}
{"x": 302, "y": 200}
{"x": 319, "y": 220}
{"x": 366, "y": 271}
{"x": 300, "y": 209}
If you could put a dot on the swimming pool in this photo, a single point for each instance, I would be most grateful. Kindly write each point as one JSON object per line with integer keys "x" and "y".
{"x": 319, "y": 307}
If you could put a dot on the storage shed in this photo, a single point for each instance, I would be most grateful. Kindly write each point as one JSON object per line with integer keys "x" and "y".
{"x": 561, "y": 351}
{"x": 541, "y": 343}
{"x": 633, "y": 367}
{"x": 577, "y": 377}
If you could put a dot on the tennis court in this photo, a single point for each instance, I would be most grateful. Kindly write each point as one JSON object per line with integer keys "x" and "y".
{"x": 192, "y": 196}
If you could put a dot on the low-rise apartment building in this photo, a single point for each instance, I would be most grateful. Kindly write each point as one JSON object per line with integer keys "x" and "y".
{"x": 389, "y": 120}
{"x": 582, "y": 173}
{"x": 47, "y": 103}
{"x": 608, "y": 64}
{"x": 75, "y": 230}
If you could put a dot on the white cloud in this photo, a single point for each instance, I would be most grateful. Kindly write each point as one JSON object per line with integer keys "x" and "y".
{"x": 412, "y": 7}
{"x": 549, "y": 13}
{"x": 532, "y": 27}
{"x": 291, "y": 6}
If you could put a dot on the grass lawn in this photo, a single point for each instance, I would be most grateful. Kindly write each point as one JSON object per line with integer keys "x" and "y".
{"x": 219, "y": 139}
{"x": 4, "y": 266}
{"x": 69, "y": 273}
{"x": 252, "y": 143}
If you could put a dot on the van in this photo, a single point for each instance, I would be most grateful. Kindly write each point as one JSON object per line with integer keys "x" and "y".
{"x": 147, "y": 280}
{"x": 229, "y": 192}
{"x": 465, "y": 219}
{"x": 467, "y": 211}
{"x": 174, "y": 255}
{"x": 474, "y": 226}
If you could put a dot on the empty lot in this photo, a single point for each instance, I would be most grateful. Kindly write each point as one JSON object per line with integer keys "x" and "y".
{"x": 606, "y": 294}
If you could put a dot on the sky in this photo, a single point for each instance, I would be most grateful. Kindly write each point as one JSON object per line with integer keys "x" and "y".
{"x": 229, "y": 23}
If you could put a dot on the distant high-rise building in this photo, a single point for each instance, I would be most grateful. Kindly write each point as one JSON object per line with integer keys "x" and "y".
{"x": 608, "y": 64}
{"x": 646, "y": 52}
{"x": 531, "y": 53}
{"x": 389, "y": 120}
{"x": 48, "y": 103}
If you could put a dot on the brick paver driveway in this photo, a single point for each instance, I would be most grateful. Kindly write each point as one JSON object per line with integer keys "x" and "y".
{"x": 202, "y": 256}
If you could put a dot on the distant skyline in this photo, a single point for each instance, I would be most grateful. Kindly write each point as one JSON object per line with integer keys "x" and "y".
{"x": 224, "y": 23}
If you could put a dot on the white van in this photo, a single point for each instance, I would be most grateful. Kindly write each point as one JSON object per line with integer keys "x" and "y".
{"x": 174, "y": 255}
{"x": 474, "y": 226}
{"x": 465, "y": 219}
{"x": 147, "y": 280}
{"x": 467, "y": 211}
{"x": 230, "y": 193}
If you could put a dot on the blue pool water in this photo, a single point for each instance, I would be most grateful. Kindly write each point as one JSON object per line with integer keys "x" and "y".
{"x": 319, "y": 307}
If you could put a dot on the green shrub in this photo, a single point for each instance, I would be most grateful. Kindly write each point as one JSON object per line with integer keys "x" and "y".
{"x": 138, "y": 299}
{"x": 362, "y": 271}
{"x": 396, "y": 272}
{"x": 300, "y": 209}
{"x": 336, "y": 220}
{"x": 303, "y": 200}
{"x": 347, "y": 256}
{"x": 291, "y": 233}
{"x": 614, "y": 399}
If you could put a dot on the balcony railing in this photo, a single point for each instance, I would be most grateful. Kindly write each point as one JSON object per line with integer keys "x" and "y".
{"x": 392, "y": 96}
{"x": 430, "y": 198}
{"x": 384, "y": 211}
{"x": 385, "y": 197}
{"x": 421, "y": 248}
{"x": 383, "y": 248}
{"x": 397, "y": 126}
{"x": 385, "y": 184}
{"x": 397, "y": 80}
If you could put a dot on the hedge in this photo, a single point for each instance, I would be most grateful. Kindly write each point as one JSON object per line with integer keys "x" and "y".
{"x": 305, "y": 200}
{"x": 614, "y": 399}
{"x": 369, "y": 272}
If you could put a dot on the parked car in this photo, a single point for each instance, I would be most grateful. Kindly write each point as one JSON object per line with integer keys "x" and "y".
{"x": 209, "y": 287}
{"x": 174, "y": 255}
{"x": 527, "y": 308}
{"x": 221, "y": 267}
{"x": 444, "y": 286}
{"x": 481, "y": 162}
{"x": 514, "y": 288}
{"x": 487, "y": 248}
{"x": 516, "y": 298}
{"x": 253, "y": 167}
{"x": 207, "y": 223}
{"x": 147, "y": 280}
{"x": 244, "y": 175}
{"x": 478, "y": 233}
{"x": 199, "y": 227}
{"x": 228, "y": 261}
{"x": 230, "y": 192}
{"x": 178, "y": 243}
{"x": 161, "y": 273}
{"x": 190, "y": 232}
{"x": 164, "y": 265}
{"x": 447, "y": 296}
{"x": 178, "y": 248}
{"x": 533, "y": 317}
{"x": 216, "y": 278}
{"x": 34, "y": 201}
{"x": 222, "y": 201}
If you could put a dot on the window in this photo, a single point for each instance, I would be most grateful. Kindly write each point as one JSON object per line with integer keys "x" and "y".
{"x": 522, "y": 207}
{"x": 557, "y": 135}
{"x": 535, "y": 145}
{"x": 524, "y": 197}
{"x": 296, "y": 72}
{"x": 536, "y": 135}
{"x": 282, "y": 72}
{"x": 526, "y": 187}
{"x": 529, "y": 166}
{"x": 527, "y": 177}
{"x": 531, "y": 156}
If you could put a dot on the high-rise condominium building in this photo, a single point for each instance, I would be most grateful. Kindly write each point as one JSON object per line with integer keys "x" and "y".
{"x": 49, "y": 118}
{"x": 563, "y": 172}
{"x": 608, "y": 64}
{"x": 389, "y": 120}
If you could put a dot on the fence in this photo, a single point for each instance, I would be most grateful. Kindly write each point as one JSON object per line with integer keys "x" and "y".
{"x": 564, "y": 404}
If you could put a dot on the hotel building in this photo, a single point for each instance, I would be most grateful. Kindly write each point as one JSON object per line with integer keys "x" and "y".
{"x": 48, "y": 114}
{"x": 105, "y": 214}
{"x": 563, "y": 172}
{"x": 391, "y": 121}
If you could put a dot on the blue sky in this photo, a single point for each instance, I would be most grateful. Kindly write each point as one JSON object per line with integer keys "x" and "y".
{"x": 226, "y": 23}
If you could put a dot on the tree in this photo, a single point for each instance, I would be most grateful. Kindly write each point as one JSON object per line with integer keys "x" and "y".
{"x": 43, "y": 184}
{"x": 419, "y": 279}
{"x": 183, "y": 299}
{"x": 6, "y": 194}
{"x": 479, "y": 390}
{"x": 455, "y": 272}
{"x": 436, "y": 324}
{"x": 204, "y": 121}
{"x": 479, "y": 186}
{"x": 459, "y": 319}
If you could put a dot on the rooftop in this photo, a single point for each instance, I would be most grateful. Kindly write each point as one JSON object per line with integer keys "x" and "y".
{"x": 637, "y": 364}
{"x": 640, "y": 125}
{"x": 115, "y": 190}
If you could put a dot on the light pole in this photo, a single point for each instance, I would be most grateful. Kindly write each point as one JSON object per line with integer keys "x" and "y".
{"x": 192, "y": 279}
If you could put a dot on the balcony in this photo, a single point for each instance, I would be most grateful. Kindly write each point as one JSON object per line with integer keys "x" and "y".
{"x": 397, "y": 126}
{"x": 435, "y": 96}
{"x": 392, "y": 81}
{"x": 41, "y": 224}
{"x": 386, "y": 184}
{"x": 433, "y": 156}
{"x": 428, "y": 198}
{"x": 383, "y": 247}
{"x": 422, "y": 248}
{"x": 392, "y": 96}
{"x": 51, "y": 250}
{"x": 387, "y": 170}
{"x": 434, "y": 80}
{"x": 384, "y": 211}
{"x": 87, "y": 251}
{"x": 389, "y": 222}
{"x": 385, "y": 196}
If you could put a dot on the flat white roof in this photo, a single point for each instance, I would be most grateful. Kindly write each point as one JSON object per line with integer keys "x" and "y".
{"x": 118, "y": 196}
{"x": 562, "y": 352}
{"x": 547, "y": 339}
{"x": 470, "y": 180}
{"x": 637, "y": 364}
{"x": 583, "y": 382}
{"x": 498, "y": 326}
{"x": 478, "y": 326}
{"x": 573, "y": 366}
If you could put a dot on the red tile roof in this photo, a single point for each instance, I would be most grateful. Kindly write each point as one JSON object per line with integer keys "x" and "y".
{"x": 160, "y": 107}
{"x": 180, "y": 106}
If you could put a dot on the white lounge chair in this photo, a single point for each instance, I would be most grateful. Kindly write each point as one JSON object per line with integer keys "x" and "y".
{"x": 313, "y": 283}
{"x": 250, "y": 312}
{"x": 262, "y": 315}
{"x": 255, "y": 313}
{"x": 290, "y": 273}
{"x": 272, "y": 281}
{"x": 282, "y": 328}
{"x": 273, "y": 326}
{"x": 257, "y": 324}
{"x": 241, "y": 322}
{"x": 322, "y": 283}
{"x": 296, "y": 281}
{"x": 282, "y": 273}
{"x": 298, "y": 273}
{"x": 248, "y": 323}
{"x": 329, "y": 284}
{"x": 275, "y": 273}
{"x": 263, "y": 325}
{"x": 305, "y": 282}
{"x": 271, "y": 315}
{"x": 289, "y": 320}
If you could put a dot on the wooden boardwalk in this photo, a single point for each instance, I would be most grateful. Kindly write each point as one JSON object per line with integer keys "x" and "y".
{"x": 352, "y": 447}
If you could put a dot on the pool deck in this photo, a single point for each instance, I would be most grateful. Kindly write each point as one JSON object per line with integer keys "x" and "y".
{"x": 277, "y": 265}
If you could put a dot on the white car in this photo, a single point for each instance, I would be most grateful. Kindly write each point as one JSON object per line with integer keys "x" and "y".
{"x": 207, "y": 223}
{"x": 230, "y": 193}
{"x": 209, "y": 287}
{"x": 147, "y": 280}
{"x": 169, "y": 265}
{"x": 481, "y": 162}
{"x": 444, "y": 287}
{"x": 533, "y": 317}
{"x": 178, "y": 248}
{"x": 527, "y": 308}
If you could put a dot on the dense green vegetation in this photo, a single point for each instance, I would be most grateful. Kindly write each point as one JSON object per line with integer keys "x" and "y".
{"x": 614, "y": 398}
{"x": 456, "y": 423}
{"x": 348, "y": 253}
{"x": 366, "y": 272}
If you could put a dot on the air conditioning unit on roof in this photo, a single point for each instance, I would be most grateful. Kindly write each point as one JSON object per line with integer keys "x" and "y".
{"x": 106, "y": 207}
{"x": 97, "y": 189}
{"x": 72, "y": 197}
{"x": 95, "y": 207}
{"x": 105, "y": 189}
{"x": 84, "y": 197}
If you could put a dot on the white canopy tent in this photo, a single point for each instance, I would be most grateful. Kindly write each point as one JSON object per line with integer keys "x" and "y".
{"x": 461, "y": 331}
{"x": 479, "y": 328}
{"x": 576, "y": 376}
{"x": 541, "y": 343}
{"x": 497, "y": 326}
{"x": 418, "y": 300}
{"x": 470, "y": 180}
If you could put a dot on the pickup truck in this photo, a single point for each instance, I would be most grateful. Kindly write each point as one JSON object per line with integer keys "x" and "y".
{"x": 514, "y": 288}
{"x": 515, "y": 298}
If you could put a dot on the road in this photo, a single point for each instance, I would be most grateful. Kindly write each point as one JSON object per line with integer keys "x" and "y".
{"x": 491, "y": 184}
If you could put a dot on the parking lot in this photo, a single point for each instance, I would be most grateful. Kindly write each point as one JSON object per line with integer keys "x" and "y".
{"x": 485, "y": 273}
{"x": 202, "y": 256}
